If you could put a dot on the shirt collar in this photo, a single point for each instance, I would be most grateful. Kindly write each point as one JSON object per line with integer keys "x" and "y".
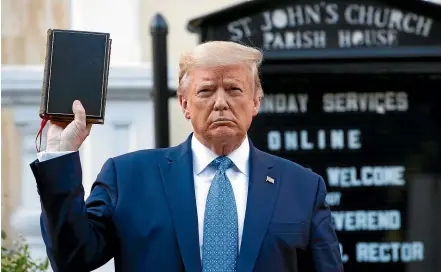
{"x": 203, "y": 156}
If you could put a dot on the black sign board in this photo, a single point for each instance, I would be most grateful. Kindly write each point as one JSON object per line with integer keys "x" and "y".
{"x": 374, "y": 135}
{"x": 376, "y": 140}
{"x": 303, "y": 28}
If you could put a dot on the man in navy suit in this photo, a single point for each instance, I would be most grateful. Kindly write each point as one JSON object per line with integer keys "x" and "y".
{"x": 212, "y": 203}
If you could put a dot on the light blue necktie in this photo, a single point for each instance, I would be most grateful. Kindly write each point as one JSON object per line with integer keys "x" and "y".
{"x": 220, "y": 243}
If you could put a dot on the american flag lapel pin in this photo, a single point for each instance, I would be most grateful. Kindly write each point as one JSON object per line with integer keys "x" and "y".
{"x": 269, "y": 179}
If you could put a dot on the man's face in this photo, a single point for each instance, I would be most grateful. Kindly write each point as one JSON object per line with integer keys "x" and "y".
{"x": 220, "y": 102}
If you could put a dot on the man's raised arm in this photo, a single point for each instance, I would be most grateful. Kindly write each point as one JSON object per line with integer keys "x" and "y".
{"x": 78, "y": 234}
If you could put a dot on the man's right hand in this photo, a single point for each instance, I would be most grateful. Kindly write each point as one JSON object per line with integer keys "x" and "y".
{"x": 63, "y": 136}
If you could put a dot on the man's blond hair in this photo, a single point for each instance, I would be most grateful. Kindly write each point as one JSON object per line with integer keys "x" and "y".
{"x": 220, "y": 53}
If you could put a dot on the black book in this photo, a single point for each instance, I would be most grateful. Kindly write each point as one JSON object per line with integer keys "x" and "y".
{"x": 76, "y": 68}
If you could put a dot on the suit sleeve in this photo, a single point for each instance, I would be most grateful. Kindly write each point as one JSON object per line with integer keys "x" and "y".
{"x": 323, "y": 241}
{"x": 79, "y": 235}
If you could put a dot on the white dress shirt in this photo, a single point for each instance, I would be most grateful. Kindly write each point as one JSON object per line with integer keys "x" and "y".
{"x": 44, "y": 156}
{"x": 203, "y": 175}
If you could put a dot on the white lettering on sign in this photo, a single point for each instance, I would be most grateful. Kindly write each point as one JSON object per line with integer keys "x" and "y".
{"x": 389, "y": 252}
{"x": 367, "y": 37}
{"x": 284, "y": 103}
{"x": 333, "y": 198}
{"x": 367, "y": 176}
{"x": 344, "y": 257}
{"x": 334, "y": 139}
{"x": 368, "y": 15}
{"x": 294, "y": 39}
{"x": 376, "y": 26}
{"x": 366, "y": 220}
{"x": 240, "y": 28}
{"x": 378, "y": 102}
{"x": 298, "y": 15}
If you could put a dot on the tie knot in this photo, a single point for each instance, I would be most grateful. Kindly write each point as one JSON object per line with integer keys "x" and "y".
{"x": 222, "y": 163}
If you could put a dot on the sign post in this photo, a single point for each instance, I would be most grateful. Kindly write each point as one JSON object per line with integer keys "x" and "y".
{"x": 161, "y": 93}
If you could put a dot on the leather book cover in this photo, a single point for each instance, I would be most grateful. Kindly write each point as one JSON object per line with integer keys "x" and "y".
{"x": 76, "y": 68}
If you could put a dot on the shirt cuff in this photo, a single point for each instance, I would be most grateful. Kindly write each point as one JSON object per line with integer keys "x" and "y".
{"x": 44, "y": 156}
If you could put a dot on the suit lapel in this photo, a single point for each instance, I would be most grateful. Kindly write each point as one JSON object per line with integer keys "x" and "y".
{"x": 177, "y": 174}
{"x": 262, "y": 194}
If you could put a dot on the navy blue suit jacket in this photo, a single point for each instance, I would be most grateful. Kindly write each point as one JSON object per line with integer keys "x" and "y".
{"x": 142, "y": 212}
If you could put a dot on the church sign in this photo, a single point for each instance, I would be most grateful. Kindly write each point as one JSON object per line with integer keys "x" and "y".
{"x": 331, "y": 24}
{"x": 374, "y": 136}
{"x": 375, "y": 140}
